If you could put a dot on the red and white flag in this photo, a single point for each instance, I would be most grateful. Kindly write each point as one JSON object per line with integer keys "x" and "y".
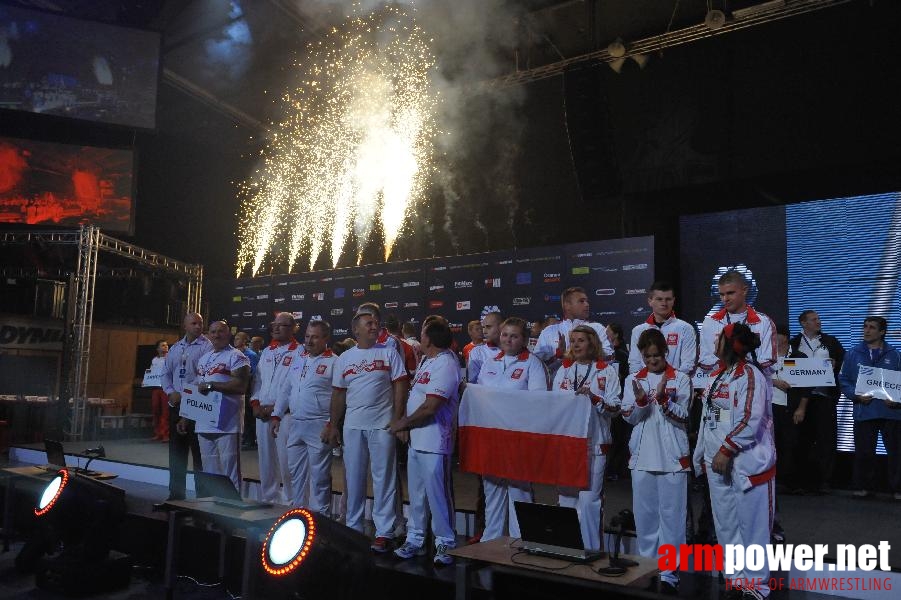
{"x": 538, "y": 436}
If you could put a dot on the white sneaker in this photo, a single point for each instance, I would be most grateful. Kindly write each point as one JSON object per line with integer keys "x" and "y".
{"x": 441, "y": 555}
{"x": 409, "y": 550}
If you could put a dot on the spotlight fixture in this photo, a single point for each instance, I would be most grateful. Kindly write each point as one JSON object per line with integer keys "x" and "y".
{"x": 52, "y": 493}
{"x": 616, "y": 48}
{"x": 641, "y": 59}
{"x": 305, "y": 550}
{"x": 715, "y": 19}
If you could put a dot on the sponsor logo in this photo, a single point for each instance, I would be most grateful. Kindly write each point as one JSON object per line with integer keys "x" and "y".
{"x": 516, "y": 374}
{"x": 641, "y": 310}
{"x": 411, "y": 304}
{"x": 605, "y": 269}
{"x": 236, "y": 298}
{"x": 463, "y": 305}
{"x": 248, "y": 314}
{"x": 552, "y": 297}
{"x": 524, "y": 278}
{"x": 443, "y": 268}
{"x": 336, "y": 312}
{"x": 315, "y": 318}
{"x": 605, "y": 292}
{"x": 297, "y": 314}
{"x": 390, "y": 304}
{"x": 375, "y": 287}
{"x": 504, "y": 262}
{"x": 339, "y": 332}
{"x": 606, "y": 313}
{"x": 582, "y": 255}
{"x": 297, "y": 297}
{"x": 493, "y": 282}
{"x": 462, "y": 284}
{"x": 326, "y": 279}
{"x": 262, "y": 296}
{"x": 339, "y": 292}
{"x": 581, "y": 270}
{"x": 436, "y": 288}
{"x": 262, "y": 313}
{"x": 635, "y": 267}
{"x": 435, "y": 303}
{"x": 359, "y": 292}
{"x": 672, "y": 339}
{"x": 411, "y": 284}
{"x": 235, "y": 315}
{"x": 632, "y": 291}
{"x": 318, "y": 296}
{"x": 455, "y": 327}
{"x": 551, "y": 277}
{"x": 522, "y": 301}
{"x": 279, "y": 300}
{"x": 320, "y": 370}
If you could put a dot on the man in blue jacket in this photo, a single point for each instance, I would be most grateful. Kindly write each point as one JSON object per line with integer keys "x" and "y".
{"x": 872, "y": 415}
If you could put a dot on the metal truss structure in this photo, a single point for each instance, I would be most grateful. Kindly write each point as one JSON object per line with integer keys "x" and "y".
{"x": 90, "y": 242}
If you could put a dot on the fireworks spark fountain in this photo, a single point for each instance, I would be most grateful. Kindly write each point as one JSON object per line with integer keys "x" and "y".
{"x": 356, "y": 147}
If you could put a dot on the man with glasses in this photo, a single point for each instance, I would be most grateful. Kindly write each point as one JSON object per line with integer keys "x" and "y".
{"x": 276, "y": 361}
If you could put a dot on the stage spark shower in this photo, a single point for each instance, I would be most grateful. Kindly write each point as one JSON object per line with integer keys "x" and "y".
{"x": 356, "y": 145}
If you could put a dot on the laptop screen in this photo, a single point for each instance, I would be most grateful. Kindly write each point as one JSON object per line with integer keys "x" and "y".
{"x": 55, "y": 454}
{"x": 548, "y": 525}
{"x": 217, "y": 486}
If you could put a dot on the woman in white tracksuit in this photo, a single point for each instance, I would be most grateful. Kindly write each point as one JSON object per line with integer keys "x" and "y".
{"x": 513, "y": 367}
{"x": 584, "y": 372}
{"x": 655, "y": 403}
{"x": 737, "y": 451}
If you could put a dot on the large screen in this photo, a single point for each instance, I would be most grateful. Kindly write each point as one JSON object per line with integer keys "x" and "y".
{"x": 57, "y": 65}
{"x": 524, "y": 283}
{"x": 45, "y": 183}
{"x": 837, "y": 256}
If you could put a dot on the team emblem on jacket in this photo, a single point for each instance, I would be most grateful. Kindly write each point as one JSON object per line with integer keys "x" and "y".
{"x": 287, "y": 360}
{"x": 722, "y": 392}
{"x": 602, "y": 383}
{"x": 516, "y": 374}
{"x": 672, "y": 339}
{"x": 424, "y": 378}
{"x": 670, "y": 391}
{"x": 320, "y": 370}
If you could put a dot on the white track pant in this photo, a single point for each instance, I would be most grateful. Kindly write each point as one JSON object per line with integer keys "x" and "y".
{"x": 588, "y": 503}
{"x": 431, "y": 490}
{"x": 660, "y": 504}
{"x": 310, "y": 464}
{"x": 273, "y": 456}
{"x": 500, "y": 494}
{"x": 743, "y": 518}
{"x": 375, "y": 447}
{"x": 219, "y": 454}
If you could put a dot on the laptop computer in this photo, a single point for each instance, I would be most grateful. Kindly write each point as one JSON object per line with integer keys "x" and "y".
{"x": 223, "y": 491}
{"x": 56, "y": 457}
{"x": 553, "y": 531}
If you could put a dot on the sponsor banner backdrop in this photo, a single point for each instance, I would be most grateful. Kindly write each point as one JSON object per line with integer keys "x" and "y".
{"x": 526, "y": 283}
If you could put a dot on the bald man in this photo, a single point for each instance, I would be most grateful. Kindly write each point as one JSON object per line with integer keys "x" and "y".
{"x": 181, "y": 368}
{"x": 276, "y": 361}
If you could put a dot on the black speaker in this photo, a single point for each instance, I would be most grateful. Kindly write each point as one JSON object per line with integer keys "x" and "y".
{"x": 590, "y": 133}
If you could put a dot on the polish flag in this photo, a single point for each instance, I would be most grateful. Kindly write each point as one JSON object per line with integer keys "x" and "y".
{"x": 538, "y": 436}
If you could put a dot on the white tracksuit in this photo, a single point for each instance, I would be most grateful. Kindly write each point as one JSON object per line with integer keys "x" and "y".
{"x": 659, "y": 460}
{"x": 429, "y": 478}
{"x": 275, "y": 363}
{"x": 681, "y": 344}
{"x": 307, "y": 395}
{"x": 521, "y": 372}
{"x": 758, "y": 322}
{"x": 738, "y": 419}
{"x": 602, "y": 380}
{"x": 477, "y": 357}
{"x": 368, "y": 375}
{"x": 549, "y": 341}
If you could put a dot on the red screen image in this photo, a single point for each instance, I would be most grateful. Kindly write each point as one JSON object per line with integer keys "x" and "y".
{"x": 45, "y": 183}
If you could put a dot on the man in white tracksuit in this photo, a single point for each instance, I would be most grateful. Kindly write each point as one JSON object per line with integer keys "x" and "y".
{"x": 655, "y": 402}
{"x": 680, "y": 336}
{"x": 554, "y": 339}
{"x": 307, "y": 395}
{"x": 275, "y": 363}
{"x": 488, "y": 349}
{"x": 369, "y": 392}
{"x": 429, "y": 428}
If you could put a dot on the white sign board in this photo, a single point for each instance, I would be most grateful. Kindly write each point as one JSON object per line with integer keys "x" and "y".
{"x": 204, "y": 409}
{"x": 807, "y": 372}
{"x": 152, "y": 378}
{"x": 882, "y": 384}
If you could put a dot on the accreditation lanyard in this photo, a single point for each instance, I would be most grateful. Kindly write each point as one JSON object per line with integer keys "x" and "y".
{"x": 579, "y": 384}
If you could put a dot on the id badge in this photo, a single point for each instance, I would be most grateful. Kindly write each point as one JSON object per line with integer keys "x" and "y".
{"x": 713, "y": 418}
{"x": 181, "y": 373}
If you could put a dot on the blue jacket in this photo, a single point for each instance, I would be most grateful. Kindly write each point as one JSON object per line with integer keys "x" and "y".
{"x": 890, "y": 359}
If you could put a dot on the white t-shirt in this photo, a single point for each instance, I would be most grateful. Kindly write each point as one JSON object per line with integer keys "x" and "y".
{"x": 218, "y": 366}
{"x": 367, "y": 376}
{"x": 438, "y": 376}
{"x": 307, "y": 391}
{"x": 521, "y": 372}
